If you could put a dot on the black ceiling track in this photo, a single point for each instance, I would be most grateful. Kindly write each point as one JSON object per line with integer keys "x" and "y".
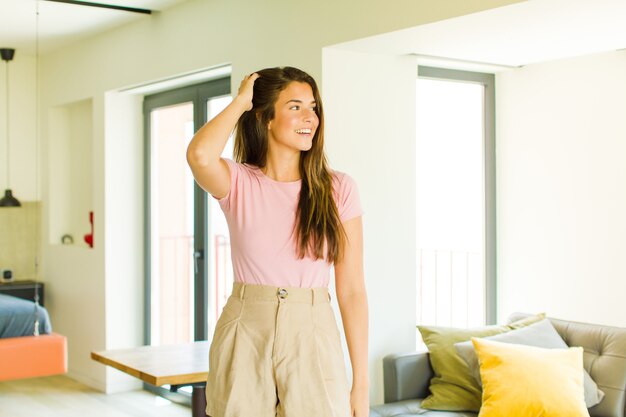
{"x": 104, "y": 6}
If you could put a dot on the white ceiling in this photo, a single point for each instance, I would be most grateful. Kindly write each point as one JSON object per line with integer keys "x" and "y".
{"x": 63, "y": 23}
{"x": 519, "y": 34}
{"x": 514, "y": 35}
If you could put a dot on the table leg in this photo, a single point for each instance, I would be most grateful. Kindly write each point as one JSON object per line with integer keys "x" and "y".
{"x": 198, "y": 401}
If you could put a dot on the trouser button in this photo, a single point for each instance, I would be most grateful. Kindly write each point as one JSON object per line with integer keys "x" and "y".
{"x": 282, "y": 293}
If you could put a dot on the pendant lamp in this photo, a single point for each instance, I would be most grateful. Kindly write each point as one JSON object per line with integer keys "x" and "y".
{"x": 8, "y": 200}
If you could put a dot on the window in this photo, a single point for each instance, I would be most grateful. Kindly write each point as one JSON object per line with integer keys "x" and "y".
{"x": 455, "y": 198}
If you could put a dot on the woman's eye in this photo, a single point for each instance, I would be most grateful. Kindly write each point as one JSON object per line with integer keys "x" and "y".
{"x": 294, "y": 108}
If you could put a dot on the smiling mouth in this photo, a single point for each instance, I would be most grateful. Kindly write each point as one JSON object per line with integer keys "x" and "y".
{"x": 303, "y": 131}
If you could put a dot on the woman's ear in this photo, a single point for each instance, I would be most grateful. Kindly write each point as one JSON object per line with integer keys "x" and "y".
{"x": 258, "y": 118}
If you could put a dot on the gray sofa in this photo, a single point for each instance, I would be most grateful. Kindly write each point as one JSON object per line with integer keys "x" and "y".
{"x": 407, "y": 376}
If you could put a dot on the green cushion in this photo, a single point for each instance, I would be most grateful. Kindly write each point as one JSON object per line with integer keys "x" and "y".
{"x": 453, "y": 387}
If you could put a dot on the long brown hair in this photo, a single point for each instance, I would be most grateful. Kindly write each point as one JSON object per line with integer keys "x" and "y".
{"x": 317, "y": 226}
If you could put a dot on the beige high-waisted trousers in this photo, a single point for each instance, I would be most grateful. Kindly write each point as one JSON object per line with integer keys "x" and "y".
{"x": 276, "y": 352}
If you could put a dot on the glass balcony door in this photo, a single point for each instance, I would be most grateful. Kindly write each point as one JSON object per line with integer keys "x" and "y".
{"x": 171, "y": 227}
{"x": 179, "y": 245}
{"x": 220, "y": 274}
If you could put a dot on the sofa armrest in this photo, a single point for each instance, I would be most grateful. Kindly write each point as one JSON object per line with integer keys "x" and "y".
{"x": 406, "y": 376}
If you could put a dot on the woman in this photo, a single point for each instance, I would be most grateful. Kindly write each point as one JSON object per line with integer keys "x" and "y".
{"x": 276, "y": 350}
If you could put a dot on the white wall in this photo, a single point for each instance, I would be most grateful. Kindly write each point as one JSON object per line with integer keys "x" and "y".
{"x": 371, "y": 123}
{"x": 70, "y": 171}
{"x": 193, "y": 35}
{"x": 561, "y": 176}
{"x": 123, "y": 156}
{"x": 22, "y": 126}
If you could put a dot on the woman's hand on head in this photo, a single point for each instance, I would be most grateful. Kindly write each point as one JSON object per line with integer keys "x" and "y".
{"x": 246, "y": 90}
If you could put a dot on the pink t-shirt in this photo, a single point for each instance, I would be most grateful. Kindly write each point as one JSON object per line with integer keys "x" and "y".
{"x": 260, "y": 213}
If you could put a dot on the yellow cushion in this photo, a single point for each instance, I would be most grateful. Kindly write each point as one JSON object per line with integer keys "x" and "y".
{"x": 527, "y": 381}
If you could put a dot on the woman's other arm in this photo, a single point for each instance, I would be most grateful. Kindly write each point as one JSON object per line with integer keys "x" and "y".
{"x": 352, "y": 300}
{"x": 206, "y": 147}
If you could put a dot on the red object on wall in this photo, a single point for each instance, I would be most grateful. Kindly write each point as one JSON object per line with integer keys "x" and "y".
{"x": 89, "y": 237}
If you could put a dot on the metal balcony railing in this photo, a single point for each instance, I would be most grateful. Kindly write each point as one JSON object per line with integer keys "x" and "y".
{"x": 450, "y": 288}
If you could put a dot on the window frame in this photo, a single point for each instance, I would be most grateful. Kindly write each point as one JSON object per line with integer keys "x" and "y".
{"x": 199, "y": 94}
{"x": 489, "y": 149}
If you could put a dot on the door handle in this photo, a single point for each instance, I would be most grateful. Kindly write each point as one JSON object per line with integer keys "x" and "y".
{"x": 197, "y": 255}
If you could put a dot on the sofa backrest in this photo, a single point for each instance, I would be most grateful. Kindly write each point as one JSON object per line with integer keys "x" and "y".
{"x": 604, "y": 359}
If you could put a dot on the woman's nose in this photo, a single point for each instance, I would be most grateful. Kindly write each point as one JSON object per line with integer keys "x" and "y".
{"x": 309, "y": 116}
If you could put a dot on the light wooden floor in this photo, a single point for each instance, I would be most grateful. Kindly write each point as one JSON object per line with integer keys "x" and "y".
{"x": 60, "y": 396}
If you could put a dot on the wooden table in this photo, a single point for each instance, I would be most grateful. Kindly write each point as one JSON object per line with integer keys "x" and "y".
{"x": 174, "y": 365}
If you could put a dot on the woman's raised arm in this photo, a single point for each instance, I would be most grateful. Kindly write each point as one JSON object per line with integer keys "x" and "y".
{"x": 207, "y": 145}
